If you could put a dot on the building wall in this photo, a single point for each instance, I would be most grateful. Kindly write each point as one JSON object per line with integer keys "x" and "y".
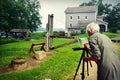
{"x": 72, "y": 19}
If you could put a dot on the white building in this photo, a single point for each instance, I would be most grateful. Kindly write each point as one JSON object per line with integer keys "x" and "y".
{"x": 77, "y": 18}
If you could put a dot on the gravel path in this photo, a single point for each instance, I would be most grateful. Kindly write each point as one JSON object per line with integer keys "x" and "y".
{"x": 92, "y": 73}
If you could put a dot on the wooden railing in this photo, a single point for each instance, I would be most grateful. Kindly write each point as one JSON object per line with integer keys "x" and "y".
{"x": 36, "y": 45}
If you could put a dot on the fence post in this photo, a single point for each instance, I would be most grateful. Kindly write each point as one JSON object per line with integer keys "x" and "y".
{"x": 49, "y": 30}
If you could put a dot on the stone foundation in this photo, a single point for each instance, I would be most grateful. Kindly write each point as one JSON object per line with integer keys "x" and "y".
{"x": 39, "y": 55}
{"x": 18, "y": 63}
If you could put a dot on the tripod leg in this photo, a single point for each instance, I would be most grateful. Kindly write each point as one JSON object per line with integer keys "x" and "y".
{"x": 87, "y": 69}
{"x": 87, "y": 64}
{"x": 83, "y": 67}
{"x": 90, "y": 61}
{"x": 78, "y": 65}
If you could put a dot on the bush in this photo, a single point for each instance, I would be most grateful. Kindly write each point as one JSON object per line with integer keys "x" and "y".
{"x": 58, "y": 34}
{"x": 38, "y": 35}
{"x": 7, "y": 40}
{"x": 83, "y": 31}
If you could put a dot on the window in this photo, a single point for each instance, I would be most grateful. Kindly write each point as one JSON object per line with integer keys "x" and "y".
{"x": 70, "y": 17}
{"x": 70, "y": 25}
{"x": 78, "y": 17}
{"x": 86, "y": 17}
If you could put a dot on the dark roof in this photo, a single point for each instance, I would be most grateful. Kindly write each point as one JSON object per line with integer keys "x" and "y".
{"x": 101, "y": 21}
{"x": 20, "y": 30}
{"x": 81, "y": 9}
{"x": 85, "y": 23}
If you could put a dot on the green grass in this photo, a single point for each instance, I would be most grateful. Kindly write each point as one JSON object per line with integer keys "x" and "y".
{"x": 111, "y": 35}
{"x": 59, "y": 66}
{"x": 11, "y": 50}
{"x": 38, "y": 35}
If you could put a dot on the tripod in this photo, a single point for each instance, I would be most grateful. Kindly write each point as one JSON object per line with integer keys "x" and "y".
{"x": 84, "y": 53}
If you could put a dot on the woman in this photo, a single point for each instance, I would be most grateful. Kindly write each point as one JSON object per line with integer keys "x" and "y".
{"x": 103, "y": 54}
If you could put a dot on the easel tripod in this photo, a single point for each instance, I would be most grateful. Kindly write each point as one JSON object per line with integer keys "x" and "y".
{"x": 84, "y": 53}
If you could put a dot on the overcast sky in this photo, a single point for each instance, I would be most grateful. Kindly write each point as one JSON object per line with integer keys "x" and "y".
{"x": 57, "y": 7}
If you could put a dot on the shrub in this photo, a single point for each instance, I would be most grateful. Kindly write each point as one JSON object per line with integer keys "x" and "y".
{"x": 7, "y": 40}
{"x": 38, "y": 35}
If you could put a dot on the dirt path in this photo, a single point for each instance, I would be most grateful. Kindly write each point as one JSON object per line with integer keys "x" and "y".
{"x": 30, "y": 61}
{"x": 92, "y": 73}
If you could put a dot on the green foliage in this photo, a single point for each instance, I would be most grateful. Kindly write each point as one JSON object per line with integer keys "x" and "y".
{"x": 103, "y": 9}
{"x": 28, "y": 37}
{"x": 83, "y": 30}
{"x": 90, "y": 3}
{"x": 7, "y": 40}
{"x": 60, "y": 33}
{"x": 113, "y": 18}
{"x": 38, "y": 35}
{"x": 19, "y": 14}
{"x": 34, "y": 17}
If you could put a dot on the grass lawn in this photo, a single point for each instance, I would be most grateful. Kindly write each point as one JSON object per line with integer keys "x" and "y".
{"x": 56, "y": 67}
{"x": 59, "y": 66}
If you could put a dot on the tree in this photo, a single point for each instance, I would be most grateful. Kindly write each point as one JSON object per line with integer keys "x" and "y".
{"x": 34, "y": 16}
{"x": 90, "y": 3}
{"x": 110, "y": 14}
{"x": 19, "y": 14}
{"x": 6, "y": 8}
{"x": 103, "y": 9}
{"x": 113, "y": 18}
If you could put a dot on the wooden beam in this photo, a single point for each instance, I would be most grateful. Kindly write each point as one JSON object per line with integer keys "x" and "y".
{"x": 61, "y": 45}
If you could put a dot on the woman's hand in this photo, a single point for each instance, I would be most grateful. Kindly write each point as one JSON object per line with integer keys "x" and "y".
{"x": 86, "y": 59}
{"x": 92, "y": 58}
{"x": 86, "y": 45}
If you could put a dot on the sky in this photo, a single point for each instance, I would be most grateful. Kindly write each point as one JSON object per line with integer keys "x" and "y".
{"x": 57, "y": 7}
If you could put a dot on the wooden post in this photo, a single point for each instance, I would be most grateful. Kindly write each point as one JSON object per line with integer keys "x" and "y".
{"x": 49, "y": 30}
{"x": 47, "y": 37}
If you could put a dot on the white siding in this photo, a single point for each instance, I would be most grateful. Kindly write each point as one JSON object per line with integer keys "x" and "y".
{"x": 84, "y": 18}
{"x": 74, "y": 21}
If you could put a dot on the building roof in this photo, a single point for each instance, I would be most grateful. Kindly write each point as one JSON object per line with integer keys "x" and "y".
{"x": 101, "y": 21}
{"x": 85, "y": 23}
{"x": 81, "y": 9}
{"x": 20, "y": 30}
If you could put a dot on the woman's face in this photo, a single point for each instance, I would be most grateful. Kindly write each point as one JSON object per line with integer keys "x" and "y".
{"x": 89, "y": 33}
